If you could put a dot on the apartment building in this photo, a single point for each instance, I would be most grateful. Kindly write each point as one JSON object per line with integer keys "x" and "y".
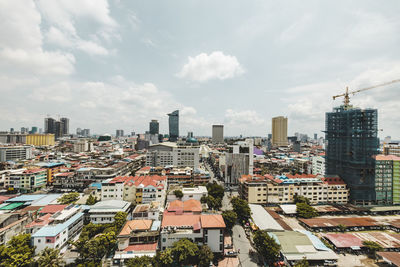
{"x": 238, "y": 161}
{"x": 104, "y": 211}
{"x": 318, "y": 165}
{"x": 280, "y": 189}
{"x": 27, "y": 180}
{"x": 15, "y": 153}
{"x": 302, "y": 165}
{"x": 387, "y": 179}
{"x": 171, "y": 154}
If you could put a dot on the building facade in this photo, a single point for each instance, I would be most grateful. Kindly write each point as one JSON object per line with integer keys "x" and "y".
{"x": 173, "y": 123}
{"x": 351, "y": 136}
{"x": 15, "y": 153}
{"x": 171, "y": 154}
{"x": 154, "y": 127}
{"x": 318, "y": 165}
{"x": 387, "y": 179}
{"x": 218, "y": 134}
{"x": 239, "y": 161}
{"x": 279, "y": 131}
{"x": 27, "y": 180}
{"x": 40, "y": 139}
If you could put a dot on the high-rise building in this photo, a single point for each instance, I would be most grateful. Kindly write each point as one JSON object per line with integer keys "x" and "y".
{"x": 78, "y": 131}
{"x": 86, "y": 132}
{"x": 34, "y": 130}
{"x": 154, "y": 127}
{"x": 49, "y": 125}
{"x": 119, "y": 133}
{"x": 218, "y": 134}
{"x": 190, "y": 135}
{"x": 58, "y": 129}
{"x": 173, "y": 123}
{"x": 238, "y": 161}
{"x": 279, "y": 131}
{"x": 387, "y": 179}
{"x": 65, "y": 126}
{"x": 351, "y": 137}
{"x": 315, "y": 136}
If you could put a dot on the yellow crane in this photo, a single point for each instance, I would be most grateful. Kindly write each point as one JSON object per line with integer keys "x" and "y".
{"x": 347, "y": 94}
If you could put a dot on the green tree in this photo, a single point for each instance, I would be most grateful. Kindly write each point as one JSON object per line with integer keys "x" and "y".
{"x": 242, "y": 209}
{"x": 91, "y": 200}
{"x": 69, "y": 198}
{"x": 120, "y": 220}
{"x": 164, "y": 258}
{"x": 18, "y": 251}
{"x": 305, "y": 211}
{"x": 302, "y": 263}
{"x": 50, "y": 257}
{"x": 144, "y": 261}
{"x": 215, "y": 190}
{"x": 266, "y": 246}
{"x": 178, "y": 194}
{"x": 185, "y": 252}
{"x": 230, "y": 218}
{"x": 372, "y": 247}
{"x": 301, "y": 199}
{"x": 342, "y": 228}
{"x": 96, "y": 248}
{"x": 214, "y": 203}
{"x": 204, "y": 199}
{"x": 205, "y": 256}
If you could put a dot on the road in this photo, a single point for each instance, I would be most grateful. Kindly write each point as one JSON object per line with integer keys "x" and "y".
{"x": 243, "y": 244}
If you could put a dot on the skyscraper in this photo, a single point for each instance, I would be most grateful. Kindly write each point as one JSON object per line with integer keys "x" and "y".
{"x": 217, "y": 134}
{"x": 58, "y": 129}
{"x": 173, "y": 126}
{"x": 351, "y": 137}
{"x": 49, "y": 125}
{"x": 154, "y": 127}
{"x": 65, "y": 125}
{"x": 279, "y": 131}
{"x": 119, "y": 133}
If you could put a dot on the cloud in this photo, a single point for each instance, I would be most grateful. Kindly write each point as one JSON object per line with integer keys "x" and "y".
{"x": 296, "y": 29}
{"x": 205, "y": 67}
{"x": 243, "y": 121}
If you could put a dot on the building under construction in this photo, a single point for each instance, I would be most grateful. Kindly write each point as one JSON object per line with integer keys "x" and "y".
{"x": 351, "y": 135}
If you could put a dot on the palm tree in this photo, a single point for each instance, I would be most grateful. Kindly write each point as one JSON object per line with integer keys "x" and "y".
{"x": 50, "y": 257}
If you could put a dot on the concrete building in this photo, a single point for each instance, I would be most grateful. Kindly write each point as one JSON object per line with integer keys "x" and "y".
{"x": 173, "y": 123}
{"x": 154, "y": 127}
{"x": 65, "y": 126}
{"x": 387, "y": 179}
{"x": 12, "y": 138}
{"x": 279, "y": 131}
{"x": 318, "y": 165}
{"x": 119, "y": 133}
{"x": 302, "y": 165}
{"x": 83, "y": 146}
{"x": 40, "y": 139}
{"x": 218, "y": 134}
{"x": 15, "y": 153}
{"x": 27, "y": 180}
{"x": 171, "y": 154}
{"x": 257, "y": 189}
{"x": 391, "y": 148}
{"x": 104, "y": 211}
{"x": 239, "y": 161}
{"x": 189, "y": 193}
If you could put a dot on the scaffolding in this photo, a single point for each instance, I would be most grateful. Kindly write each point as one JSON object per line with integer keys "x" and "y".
{"x": 351, "y": 135}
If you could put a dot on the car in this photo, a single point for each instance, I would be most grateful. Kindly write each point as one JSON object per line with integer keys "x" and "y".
{"x": 231, "y": 254}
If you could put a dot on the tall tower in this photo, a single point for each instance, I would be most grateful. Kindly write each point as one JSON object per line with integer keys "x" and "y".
{"x": 351, "y": 137}
{"x": 279, "y": 131}
{"x": 65, "y": 125}
{"x": 154, "y": 127}
{"x": 218, "y": 134}
{"x": 49, "y": 125}
{"x": 173, "y": 125}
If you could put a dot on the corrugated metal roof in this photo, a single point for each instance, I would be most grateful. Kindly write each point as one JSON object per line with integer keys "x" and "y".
{"x": 263, "y": 219}
{"x": 12, "y": 206}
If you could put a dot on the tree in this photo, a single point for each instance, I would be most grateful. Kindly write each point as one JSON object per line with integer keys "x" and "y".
{"x": 96, "y": 248}
{"x": 301, "y": 199}
{"x": 69, "y": 198}
{"x": 214, "y": 203}
{"x": 178, "y": 194}
{"x": 230, "y": 218}
{"x": 205, "y": 256}
{"x": 242, "y": 209}
{"x": 18, "y": 251}
{"x": 204, "y": 199}
{"x": 143, "y": 261}
{"x": 91, "y": 200}
{"x": 50, "y": 257}
{"x": 164, "y": 258}
{"x": 185, "y": 252}
{"x": 266, "y": 246}
{"x": 302, "y": 263}
{"x": 215, "y": 190}
{"x": 305, "y": 211}
{"x": 372, "y": 247}
{"x": 120, "y": 220}
{"x": 342, "y": 228}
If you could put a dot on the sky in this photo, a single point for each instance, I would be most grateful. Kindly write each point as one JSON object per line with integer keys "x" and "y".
{"x": 111, "y": 65}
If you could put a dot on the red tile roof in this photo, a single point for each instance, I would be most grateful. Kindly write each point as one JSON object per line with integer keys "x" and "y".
{"x": 180, "y": 220}
{"x": 142, "y": 247}
{"x": 41, "y": 221}
{"x": 212, "y": 221}
{"x": 136, "y": 225}
{"x": 52, "y": 208}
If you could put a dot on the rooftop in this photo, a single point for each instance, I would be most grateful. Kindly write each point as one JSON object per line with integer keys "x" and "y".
{"x": 263, "y": 219}
{"x": 135, "y": 225}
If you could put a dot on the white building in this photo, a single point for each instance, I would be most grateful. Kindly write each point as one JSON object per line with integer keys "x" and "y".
{"x": 189, "y": 193}
{"x": 318, "y": 165}
{"x": 170, "y": 154}
{"x": 15, "y": 153}
{"x": 239, "y": 161}
{"x": 104, "y": 211}
{"x": 83, "y": 146}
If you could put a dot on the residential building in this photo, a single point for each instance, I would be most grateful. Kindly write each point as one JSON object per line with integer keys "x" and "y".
{"x": 195, "y": 193}
{"x": 104, "y": 211}
{"x": 27, "y": 180}
{"x": 279, "y": 131}
{"x": 171, "y": 154}
{"x": 15, "y": 153}
{"x": 65, "y": 126}
{"x": 207, "y": 229}
{"x": 40, "y": 139}
{"x": 387, "y": 179}
{"x": 239, "y": 161}
{"x": 119, "y": 133}
{"x": 12, "y": 138}
{"x": 218, "y": 134}
{"x": 351, "y": 135}
{"x": 149, "y": 211}
{"x": 154, "y": 127}
{"x": 392, "y": 148}
{"x": 318, "y": 165}
{"x": 11, "y": 224}
{"x": 267, "y": 189}
{"x": 49, "y": 125}
{"x": 302, "y": 165}
{"x": 173, "y": 123}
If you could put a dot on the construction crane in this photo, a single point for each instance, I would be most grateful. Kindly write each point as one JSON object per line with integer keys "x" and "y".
{"x": 347, "y": 94}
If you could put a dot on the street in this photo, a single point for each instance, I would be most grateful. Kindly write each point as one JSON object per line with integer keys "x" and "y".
{"x": 243, "y": 244}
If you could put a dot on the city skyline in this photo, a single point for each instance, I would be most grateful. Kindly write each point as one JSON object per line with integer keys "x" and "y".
{"x": 118, "y": 65}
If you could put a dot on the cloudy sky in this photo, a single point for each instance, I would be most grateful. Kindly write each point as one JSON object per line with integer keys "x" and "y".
{"x": 118, "y": 64}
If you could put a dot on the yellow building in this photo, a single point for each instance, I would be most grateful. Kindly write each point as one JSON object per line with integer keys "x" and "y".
{"x": 279, "y": 131}
{"x": 40, "y": 139}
